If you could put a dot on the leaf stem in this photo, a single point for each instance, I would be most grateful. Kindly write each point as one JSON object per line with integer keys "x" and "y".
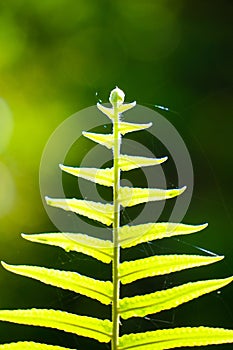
{"x": 116, "y": 225}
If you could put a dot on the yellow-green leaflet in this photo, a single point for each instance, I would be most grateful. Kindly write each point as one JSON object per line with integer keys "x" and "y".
{"x": 133, "y": 235}
{"x": 29, "y": 345}
{"x": 175, "y": 338}
{"x": 99, "y": 176}
{"x": 142, "y": 305}
{"x": 129, "y": 196}
{"x": 126, "y": 106}
{"x": 95, "y": 289}
{"x": 107, "y": 111}
{"x": 97, "y": 248}
{"x": 93, "y": 210}
{"x": 133, "y": 162}
{"x": 131, "y": 127}
{"x": 81, "y": 325}
{"x": 103, "y": 139}
{"x": 160, "y": 265}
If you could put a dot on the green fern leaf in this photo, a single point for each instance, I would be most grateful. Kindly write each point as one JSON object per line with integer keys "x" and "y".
{"x": 131, "y": 271}
{"x": 90, "y": 327}
{"x": 99, "y": 176}
{"x": 92, "y": 210}
{"x": 130, "y": 196}
{"x": 109, "y": 111}
{"x": 126, "y": 106}
{"x": 73, "y": 281}
{"x": 132, "y": 235}
{"x": 30, "y": 346}
{"x": 175, "y": 338}
{"x": 133, "y": 162}
{"x": 103, "y": 139}
{"x": 97, "y": 248}
{"x": 125, "y": 128}
{"x": 142, "y": 305}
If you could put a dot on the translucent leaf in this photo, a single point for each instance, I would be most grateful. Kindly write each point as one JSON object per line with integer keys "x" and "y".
{"x": 133, "y": 235}
{"x": 175, "y": 338}
{"x": 129, "y": 196}
{"x": 107, "y": 111}
{"x": 73, "y": 281}
{"x": 166, "y": 299}
{"x": 97, "y": 248}
{"x": 160, "y": 265}
{"x": 125, "y": 107}
{"x": 92, "y": 210}
{"x": 103, "y": 139}
{"x": 29, "y": 345}
{"x": 131, "y": 127}
{"x": 121, "y": 109}
{"x": 80, "y": 325}
{"x": 133, "y": 162}
{"x": 99, "y": 176}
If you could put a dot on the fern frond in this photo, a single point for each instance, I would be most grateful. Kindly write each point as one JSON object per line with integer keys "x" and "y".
{"x": 100, "y": 176}
{"x": 73, "y": 281}
{"x": 125, "y": 128}
{"x": 131, "y": 271}
{"x": 90, "y": 327}
{"x": 132, "y": 235}
{"x": 93, "y": 210}
{"x": 142, "y": 305}
{"x": 77, "y": 242}
{"x": 130, "y": 196}
{"x": 127, "y": 163}
{"x": 29, "y": 345}
{"x": 175, "y": 338}
{"x": 103, "y": 139}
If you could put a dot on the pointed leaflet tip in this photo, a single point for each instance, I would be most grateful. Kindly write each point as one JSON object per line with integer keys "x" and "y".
{"x": 117, "y": 97}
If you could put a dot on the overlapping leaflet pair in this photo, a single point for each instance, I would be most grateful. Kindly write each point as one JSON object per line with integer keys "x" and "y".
{"x": 107, "y": 251}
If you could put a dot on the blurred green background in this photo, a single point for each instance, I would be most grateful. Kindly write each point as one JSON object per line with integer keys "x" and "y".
{"x": 55, "y": 56}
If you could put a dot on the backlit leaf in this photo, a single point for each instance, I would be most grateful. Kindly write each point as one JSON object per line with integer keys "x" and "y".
{"x": 133, "y": 235}
{"x": 80, "y": 325}
{"x": 160, "y": 265}
{"x": 125, "y": 107}
{"x": 129, "y": 196}
{"x": 97, "y": 248}
{"x": 29, "y": 345}
{"x": 133, "y": 162}
{"x": 103, "y": 139}
{"x": 92, "y": 210}
{"x": 142, "y": 305}
{"x": 99, "y": 176}
{"x": 107, "y": 111}
{"x": 175, "y": 338}
{"x": 131, "y": 127}
{"x": 73, "y": 281}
